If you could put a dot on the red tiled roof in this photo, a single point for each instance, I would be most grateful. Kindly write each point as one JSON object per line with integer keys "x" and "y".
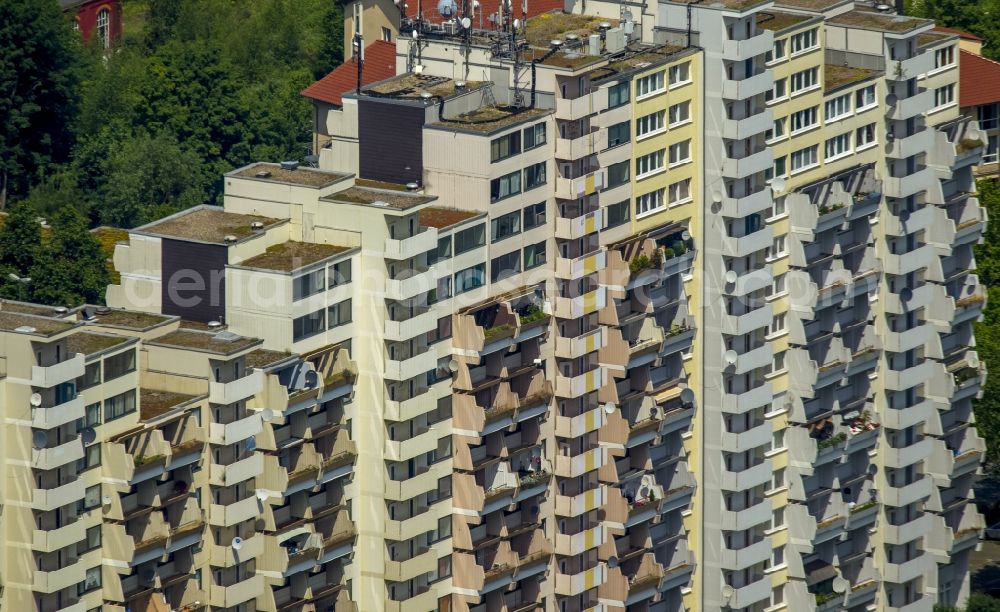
{"x": 961, "y": 33}
{"x": 535, "y": 7}
{"x": 380, "y": 64}
{"x": 979, "y": 80}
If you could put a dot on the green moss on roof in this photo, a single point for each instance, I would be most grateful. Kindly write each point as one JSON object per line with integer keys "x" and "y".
{"x": 90, "y": 343}
{"x": 835, "y": 77}
{"x": 292, "y": 255}
{"x": 776, "y": 21}
{"x": 877, "y": 21}
{"x": 129, "y": 319}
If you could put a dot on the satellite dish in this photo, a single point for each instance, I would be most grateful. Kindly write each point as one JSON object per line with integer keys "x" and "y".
{"x": 267, "y": 415}
{"x": 237, "y": 543}
{"x": 414, "y": 35}
{"x": 517, "y": 24}
{"x": 716, "y": 196}
{"x": 904, "y": 216}
{"x": 731, "y": 357}
{"x": 777, "y": 184}
{"x": 872, "y": 469}
{"x": 251, "y": 444}
{"x": 612, "y": 562}
{"x": 106, "y": 500}
{"x": 727, "y": 593}
{"x": 261, "y": 494}
{"x": 891, "y": 99}
{"x": 453, "y": 365}
{"x": 36, "y": 400}
{"x": 311, "y": 379}
{"x": 906, "y": 294}
{"x": 609, "y": 407}
{"x": 687, "y": 395}
{"x": 685, "y": 235}
{"x": 466, "y": 23}
{"x": 88, "y": 434}
{"x": 39, "y": 439}
{"x": 839, "y": 585}
{"x": 731, "y": 276}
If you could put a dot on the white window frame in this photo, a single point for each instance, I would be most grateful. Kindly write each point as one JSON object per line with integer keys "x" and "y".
{"x": 868, "y": 143}
{"x": 649, "y": 203}
{"x": 658, "y": 118}
{"x": 841, "y": 107}
{"x": 945, "y": 91}
{"x": 811, "y": 152}
{"x": 837, "y": 147}
{"x": 649, "y": 164}
{"x": 808, "y": 80}
{"x": 799, "y": 117}
{"x": 676, "y": 160}
{"x": 679, "y": 192}
{"x": 653, "y": 84}
{"x": 681, "y": 107}
{"x": 805, "y": 41}
{"x": 682, "y": 72}
{"x": 868, "y": 93}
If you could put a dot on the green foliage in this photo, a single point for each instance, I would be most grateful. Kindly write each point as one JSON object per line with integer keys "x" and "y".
{"x": 987, "y": 331}
{"x": 70, "y": 269}
{"x": 978, "y": 602}
{"x": 641, "y": 262}
{"x": 988, "y": 253}
{"x": 20, "y": 239}
{"x": 979, "y": 18}
{"x": 40, "y": 64}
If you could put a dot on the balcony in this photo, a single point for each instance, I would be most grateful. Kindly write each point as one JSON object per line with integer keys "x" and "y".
{"x": 581, "y": 542}
{"x": 578, "y": 108}
{"x": 748, "y": 87}
{"x": 586, "y": 501}
{"x": 912, "y": 106}
{"x": 413, "y": 246}
{"x": 574, "y": 466}
{"x": 56, "y": 416}
{"x": 578, "y": 227}
{"x": 224, "y": 555}
{"x": 234, "y": 432}
{"x": 740, "y": 324}
{"x": 902, "y": 495}
{"x": 741, "y": 206}
{"x": 57, "y": 456}
{"x": 571, "y": 348}
{"x": 749, "y": 439}
{"x": 749, "y": 165}
{"x": 227, "y": 515}
{"x": 53, "y": 539}
{"x": 742, "y": 246}
{"x": 50, "y": 499}
{"x": 905, "y": 186}
{"x": 574, "y": 427}
{"x": 914, "y": 144}
{"x": 236, "y": 594}
{"x": 424, "y": 440}
{"x": 425, "y": 561}
{"x": 411, "y": 327}
{"x": 411, "y": 367}
{"x": 237, "y": 472}
{"x": 237, "y": 390}
{"x": 581, "y": 146}
{"x": 574, "y": 188}
{"x": 740, "y": 402}
{"x": 576, "y": 307}
{"x": 747, "y": 478}
{"x": 576, "y": 386}
{"x": 575, "y": 584}
{"x": 911, "y": 68}
{"x": 747, "y": 556}
{"x": 57, "y": 580}
{"x": 750, "y": 594}
{"x": 56, "y": 374}
{"x": 417, "y": 283}
{"x": 749, "y": 48}
{"x": 904, "y": 571}
{"x": 747, "y": 127}
{"x": 572, "y": 269}
{"x": 757, "y": 513}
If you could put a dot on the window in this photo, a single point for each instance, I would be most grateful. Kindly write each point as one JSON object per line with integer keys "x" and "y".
{"x": 647, "y": 124}
{"x": 778, "y": 481}
{"x": 103, "y": 27}
{"x": 91, "y": 458}
{"x": 777, "y": 247}
{"x": 804, "y": 41}
{"x": 680, "y": 152}
{"x": 91, "y": 499}
{"x": 778, "y": 437}
{"x": 92, "y": 579}
{"x": 534, "y": 255}
{"x": 469, "y": 278}
{"x": 779, "y": 166}
{"x": 804, "y": 158}
{"x": 505, "y": 146}
{"x": 680, "y": 113}
{"x": 944, "y": 96}
{"x": 648, "y": 202}
{"x": 680, "y": 191}
{"x": 680, "y": 74}
{"x": 649, "y": 85}
{"x": 778, "y": 91}
{"x": 865, "y": 98}
{"x": 534, "y": 136}
{"x": 778, "y": 552}
{"x": 119, "y": 365}
{"x": 618, "y": 94}
{"x": 91, "y": 376}
{"x": 777, "y": 595}
{"x": 534, "y": 215}
{"x": 119, "y": 405}
{"x": 308, "y": 284}
{"x": 339, "y": 273}
{"x": 618, "y": 174}
{"x": 838, "y": 107}
{"x": 505, "y": 265}
{"x": 91, "y": 417}
{"x": 338, "y": 314}
{"x": 444, "y": 248}
{"x": 838, "y": 146}
{"x": 505, "y": 186}
{"x": 618, "y": 134}
{"x": 777, "y": 324}
{"x": 93, "y": 539}
{"x": 777, "y": 130}
{"x": 617, "y": 214}
{"x": 470, "y": 238}
{"x": 865, "y": 136}
{"x": 649, "y": 163}
{"x": 534, "y": 176}
{"x": 778, "y": 518}
{"x": 804, "y": 119}
{"x": 778, "y": 284}
{"x": 777, "y": 51}
{"x": 505, "y": 226}
{"x": 805, "y": 79}
{"x": 308, "y": 325}
{"x": 944, "y": 57}
{"x": 386, "y": 34}
{"x": 779, "y": 207}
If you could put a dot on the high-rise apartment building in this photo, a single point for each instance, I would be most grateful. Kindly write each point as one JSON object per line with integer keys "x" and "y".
{"x": 622, "y": 308}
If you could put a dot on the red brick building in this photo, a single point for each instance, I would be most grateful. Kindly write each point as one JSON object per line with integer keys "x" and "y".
{"x": 96, "y": 18}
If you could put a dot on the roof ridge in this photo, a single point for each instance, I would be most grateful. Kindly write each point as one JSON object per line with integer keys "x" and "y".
{"x": 978, "y": 56}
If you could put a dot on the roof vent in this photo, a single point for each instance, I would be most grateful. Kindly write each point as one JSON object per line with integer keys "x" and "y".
{"x": 412, "y": 186}
{"x": 88, "y": 314}
{"x": 459, "y": 84}
{"x": 289, "y": 165}
{"x": 883, "y": 8}
{"x": 263, "y": 174}
{"x": 60, "y": 310}
{"x": 572, "y": 38}
{"x": 103, "y": 310}
{"x": 25, "y": 329}
{"x": 256, "y": 225}
{"x": 604, "y": 26}
{"x": 230, "y": 238}
{"x": 226, "y": 336}
{"x": 426, "y": 95}
{"x": 380, "y": 203}
{"x": 214, "y": 324}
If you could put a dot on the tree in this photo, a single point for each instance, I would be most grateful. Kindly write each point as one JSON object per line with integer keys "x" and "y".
{"x": 39, "y": 73}
{"x": 979, "y": 17}
{"x": 70, "y": 270}
{"x": 988, "y": 253}
{"x": 20, "y": 239}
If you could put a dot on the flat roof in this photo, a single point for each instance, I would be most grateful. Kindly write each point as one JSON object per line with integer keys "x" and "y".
{"x": 128, "y": 319}
{"x": 40, "y": 326}
{"x": 896, "y": 24}
{"x": 540, "y": 30}
{"x": 635, "y": 60}
{"x": 777, "y": 20}
{"x": 292, "y": 255}
{"x": 28, "y": 308}
{"x": 90, "y": 343}
{"x": 209, "y": 224}
{"x": 814, "y": 5}
{"x": 302, "y": 177}
{"x": 381, "y": 198}
{"x": 440, "y": 217}
{"x": 263, "y": 358}
{"x": 153, "y": 403}
{"x": 412, "y": 86}
{"x": 835, "y": 77}
{"x": 740, "y": 5}
{"x": 220, "y": 343}
{"x": 929, "y": 38}
{"x": 489, "y": 119}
